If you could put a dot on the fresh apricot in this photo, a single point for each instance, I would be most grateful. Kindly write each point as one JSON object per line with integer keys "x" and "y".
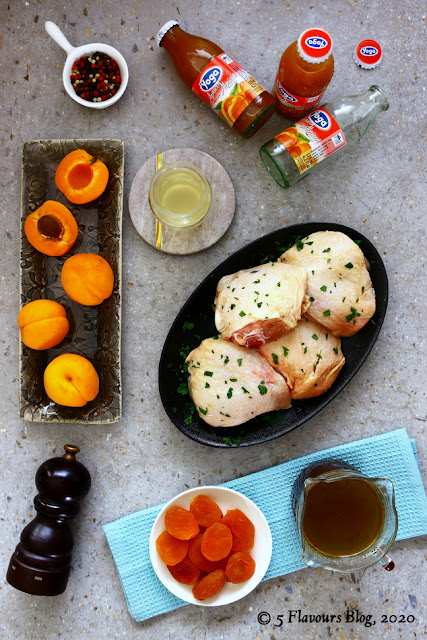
{"x": 51, "y": 229}
{"x": 87, "y": 278}
{"x": 81, "y": 177}
{"x": 43, "y": 324}
{"x": 71, "y": 380}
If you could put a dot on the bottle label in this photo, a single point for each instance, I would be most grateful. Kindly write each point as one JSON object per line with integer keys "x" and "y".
{"x": 292, "y": 105}
{"x": 226, "y": 87}
{"x": 313, "y": 139}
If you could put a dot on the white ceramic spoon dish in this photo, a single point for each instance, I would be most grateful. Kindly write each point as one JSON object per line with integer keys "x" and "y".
{"x": 73, "y": 53}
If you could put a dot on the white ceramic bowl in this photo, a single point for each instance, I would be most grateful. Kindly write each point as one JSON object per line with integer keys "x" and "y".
{"x": 261, "y": 552}
{"x": 73, "y": 53}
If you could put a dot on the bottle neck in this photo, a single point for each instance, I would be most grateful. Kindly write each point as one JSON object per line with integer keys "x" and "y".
{"x": 173, "y": 36}
{"x": 377, "y": 98}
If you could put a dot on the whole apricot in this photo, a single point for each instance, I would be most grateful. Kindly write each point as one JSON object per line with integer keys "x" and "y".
{"x": 43, "y": 324}
{"x": 81, "y": 177}
{"x": 51, "y": 229}
{"x": 87, "y": 278}
{"x": 71, "y": 380}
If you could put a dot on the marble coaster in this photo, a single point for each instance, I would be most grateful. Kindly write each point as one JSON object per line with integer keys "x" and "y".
{"x": 184, "y": 241}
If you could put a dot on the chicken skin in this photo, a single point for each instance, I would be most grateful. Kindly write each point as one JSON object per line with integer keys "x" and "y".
{"x": 254, "y": 306}
{"x": 308, "y": 357}
{"x": 339, "y": 286}
{"x": 230, "y": 384}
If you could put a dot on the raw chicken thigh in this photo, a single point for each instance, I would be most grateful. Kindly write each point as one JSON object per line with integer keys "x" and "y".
{"x": 230, "y": 384}
{"x": 254, "y": 306}
{"x": 339, "y": 286}
{"x": 308, "y": 357}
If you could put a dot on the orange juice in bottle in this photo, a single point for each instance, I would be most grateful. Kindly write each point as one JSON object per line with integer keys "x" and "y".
{"x": 217, "y": 79}
{"x": 305, "y": 70}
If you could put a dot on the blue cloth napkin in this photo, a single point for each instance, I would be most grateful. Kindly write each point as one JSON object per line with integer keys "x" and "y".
{"x": 391, "y": 455}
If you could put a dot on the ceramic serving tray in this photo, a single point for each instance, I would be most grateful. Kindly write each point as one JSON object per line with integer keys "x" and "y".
{"x": 195, "y": 322}
{"x": 94, "y": 331}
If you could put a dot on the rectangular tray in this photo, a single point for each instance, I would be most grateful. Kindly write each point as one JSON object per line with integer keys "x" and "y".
{"x": 94, "y": 331}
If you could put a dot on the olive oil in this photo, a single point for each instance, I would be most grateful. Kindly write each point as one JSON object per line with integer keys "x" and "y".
{"x": 343, "y": 517}
{"x": 180, "y": 195}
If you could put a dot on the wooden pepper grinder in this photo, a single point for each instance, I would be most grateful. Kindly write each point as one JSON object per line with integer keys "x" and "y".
{"x": 41, "y": 562}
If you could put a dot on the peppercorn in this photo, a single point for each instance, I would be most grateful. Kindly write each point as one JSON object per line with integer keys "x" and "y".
{"x": 95, "y": 86}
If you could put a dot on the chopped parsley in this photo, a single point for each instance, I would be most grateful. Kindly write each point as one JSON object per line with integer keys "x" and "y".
{"x": 259, "y": 305}
{"x": 183, "y": 389}
{"x": 311, "y": 299}
{"x": 324, "y": 288}
{"x": 233, "y": 379}
{"x": 245, "y": 390}
{"x": 305, "y": 350}
{"x": 262, "y": 389}
{"x": 336, "y": 350}
{"x": 242, "y": 313}
{"x": 349, "y": 265}
{"x": 208, "y": 373}
{"x": 229, "y": 392}
{"x": 256, "y": 281}
{"x": 327, "y": 312}
{"x": 232, "y": 306}
{"x": 188, "y": 325}
{"x": 227, "y": 359}
{"x": 352, "y": 315}
{"x": 285, "y": 351}
{"x": 275, "y": 358}
{"x": 326, "y": 250}
{"x": 239, "y": 361}
{"x": 204, "y": 411}
{"x": 315, "y": 337}
{"x": 207, "y": 385}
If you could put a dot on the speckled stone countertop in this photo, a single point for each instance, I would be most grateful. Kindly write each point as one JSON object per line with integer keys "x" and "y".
{"x": 376, "y": 187}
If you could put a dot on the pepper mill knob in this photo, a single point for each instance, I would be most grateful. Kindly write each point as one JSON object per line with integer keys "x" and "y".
{"x": 41, "y": 562}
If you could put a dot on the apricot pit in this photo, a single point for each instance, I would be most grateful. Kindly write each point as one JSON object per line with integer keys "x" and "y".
{"x": 51, "y": 229}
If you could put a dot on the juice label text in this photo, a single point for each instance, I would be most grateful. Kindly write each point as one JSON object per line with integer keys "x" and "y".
{"x": 226, "y": 87}
{"x": 312, "y": 139}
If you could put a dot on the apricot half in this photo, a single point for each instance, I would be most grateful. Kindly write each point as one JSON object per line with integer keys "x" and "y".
{"x": 43, "y": 324}
{"x": 71, "y": 380}
{"x": 87, "y": 278}
{"x": 51, "y": 229}
{"x": 81, "y": 177}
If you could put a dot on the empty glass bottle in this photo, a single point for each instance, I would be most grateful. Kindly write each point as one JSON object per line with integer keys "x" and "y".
{"x": 340, "y": 123}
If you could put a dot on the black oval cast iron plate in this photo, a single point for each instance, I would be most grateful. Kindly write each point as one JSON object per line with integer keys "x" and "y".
{"x": 195, "y": 322}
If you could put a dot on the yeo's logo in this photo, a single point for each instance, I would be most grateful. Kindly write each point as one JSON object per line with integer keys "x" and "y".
{"x": 210, "y": 78}
{"x": 369, "y": 51}
{"x": 320, "y": 119}
{"x": 285, "y": 95}
{"x": 315, "y": 42}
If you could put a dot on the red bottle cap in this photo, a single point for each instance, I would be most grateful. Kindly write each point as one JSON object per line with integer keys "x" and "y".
{"x": 367, "y": 54}
{"x": 314, "y": 45}
{"x": 165, "y": 29}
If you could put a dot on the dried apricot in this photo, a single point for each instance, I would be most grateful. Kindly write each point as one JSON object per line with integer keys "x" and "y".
{"x": 205, "y": 510}
{"x": 210, "y": 585}
{"x": 185, "y": 571}
{"x": 197, "y": 558}
{"x": 217, "y": 542}
{"x": 240, "y": 567}
{"x": 242, "y": 528}
{"x": 170, "y": 549}
{"x": 181, "y": 523}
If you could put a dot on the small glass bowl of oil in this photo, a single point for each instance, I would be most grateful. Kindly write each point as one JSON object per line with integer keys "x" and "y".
{"x": 180, "y": 195}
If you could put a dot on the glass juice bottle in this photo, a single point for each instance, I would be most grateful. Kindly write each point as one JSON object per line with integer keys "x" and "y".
{"x": 298, "y": 150}
{"x": 217, "y": 79}
{"x": 305, "y": 70}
